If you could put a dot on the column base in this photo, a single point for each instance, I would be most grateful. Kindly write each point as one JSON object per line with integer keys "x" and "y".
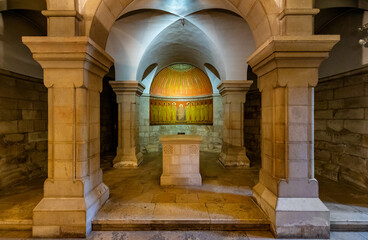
{"x": 234, "y": 157}
{"x": 128, "y": 161}
{"x": 68, "y": 217}
{"x": 294, "y": 217}
{"x": 181, "y": 180}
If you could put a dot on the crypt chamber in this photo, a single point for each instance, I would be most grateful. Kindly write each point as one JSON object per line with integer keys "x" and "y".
{"x": 273, "y": 92}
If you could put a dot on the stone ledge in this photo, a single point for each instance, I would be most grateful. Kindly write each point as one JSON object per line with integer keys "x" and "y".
{"x": 190, "y": 139}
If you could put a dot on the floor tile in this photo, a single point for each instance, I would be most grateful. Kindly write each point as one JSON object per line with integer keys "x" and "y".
{"x": 182, "y": 212}
{"x": 187, "y": 198}
{"x": 164, "y": 198}
{"x": 241, "y": 212}
{"x": 113, "y": 212}
{"x": 210, "y": 198}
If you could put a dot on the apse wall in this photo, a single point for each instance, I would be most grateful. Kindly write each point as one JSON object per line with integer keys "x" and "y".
{"x": 164, "y": 108}
{"x": 149, "y": 135}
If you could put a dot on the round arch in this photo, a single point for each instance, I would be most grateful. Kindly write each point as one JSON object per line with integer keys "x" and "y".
{"x": 261, "y": 17}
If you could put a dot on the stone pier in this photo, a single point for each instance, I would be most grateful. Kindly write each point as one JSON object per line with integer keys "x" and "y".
{"x": 74, "y": 190}
{"x": 233, "y": 93}
{"x": 287, "y": 69}
{"x": 128, "y": 97}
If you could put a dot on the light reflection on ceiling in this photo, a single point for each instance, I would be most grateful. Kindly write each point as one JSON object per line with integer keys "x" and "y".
{"x": 181, "y": 80}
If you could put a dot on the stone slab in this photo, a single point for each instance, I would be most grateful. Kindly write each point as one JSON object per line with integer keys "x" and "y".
{"x": 185, "y": 139}
{"x": 185, "y": 180}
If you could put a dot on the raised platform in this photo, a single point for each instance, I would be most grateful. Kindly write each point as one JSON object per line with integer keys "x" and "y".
{"x": 181, "y": 216}
{"x": 218, "y": 201}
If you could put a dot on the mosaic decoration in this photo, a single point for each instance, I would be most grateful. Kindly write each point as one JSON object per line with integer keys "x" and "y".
{"x": 168, "y": 112}
{"x": 181, "y": 80}
{"x": 181, "y": 94}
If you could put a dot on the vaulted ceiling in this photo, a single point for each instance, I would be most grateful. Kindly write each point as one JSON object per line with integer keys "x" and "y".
{"x": 195, "y": 32}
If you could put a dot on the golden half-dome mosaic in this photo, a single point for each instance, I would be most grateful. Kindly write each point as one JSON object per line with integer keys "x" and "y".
{"x": 181, "y": 94}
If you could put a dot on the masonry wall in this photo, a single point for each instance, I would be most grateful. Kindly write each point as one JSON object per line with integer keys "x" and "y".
{"x": 252, "y": 125}
{"x": 212, "y": 135}
{"x": 341, "y": 128}
{"x": 23, "y": 128}
{"x": 108, "y": 120}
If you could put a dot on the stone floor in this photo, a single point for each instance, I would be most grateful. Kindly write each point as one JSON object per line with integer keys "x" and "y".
{"x": 225, "y": 195}
{"x": 138, "y": 202}
{"x": 185, "y": 235}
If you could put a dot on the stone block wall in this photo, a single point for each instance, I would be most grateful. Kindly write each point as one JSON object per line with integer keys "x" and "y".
{"x": 23, "y": 128}
{"x": 212, "y": 135}
{"x": 109, "y": 119}
{"x": 341, "y": 128}
{"x": 252, "y": 125}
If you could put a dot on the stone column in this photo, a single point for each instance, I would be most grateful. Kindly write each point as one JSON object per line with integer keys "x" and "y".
{"x": 128, "y": 95}
{"x": 74, "y": 191}
{"x": 233, "y": 93}
{"x": 287, "y": 69}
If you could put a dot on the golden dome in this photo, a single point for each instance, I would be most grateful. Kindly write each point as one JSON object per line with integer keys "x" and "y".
{"x": 181, "y": 80}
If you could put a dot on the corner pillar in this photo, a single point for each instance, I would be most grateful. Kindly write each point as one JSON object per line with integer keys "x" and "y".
{"x": 287, "y": 69}
{"x": 128, "y": 98}
{"x": 74, "y": 190}
{"x": 233, "y": 92}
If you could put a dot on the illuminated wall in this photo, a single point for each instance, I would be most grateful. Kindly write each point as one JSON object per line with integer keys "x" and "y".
{"x": 181, "y": 94}
{"x": 191, "y": 111}
{"x": 149, "y": 134}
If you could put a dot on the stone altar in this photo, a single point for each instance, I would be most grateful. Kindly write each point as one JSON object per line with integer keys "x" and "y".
{"x": 180, "y": 154}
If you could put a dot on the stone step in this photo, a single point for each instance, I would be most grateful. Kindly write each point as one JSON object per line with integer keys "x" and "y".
{"x": 16, "y": 225}
{"x": 349, "y": 226}
{"x": 178, "y": 225}
{"x": 116, "y": 215}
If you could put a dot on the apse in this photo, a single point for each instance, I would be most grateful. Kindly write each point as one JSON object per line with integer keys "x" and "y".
{"x": 181, "y": 94}
{"x": 180, "y": 100}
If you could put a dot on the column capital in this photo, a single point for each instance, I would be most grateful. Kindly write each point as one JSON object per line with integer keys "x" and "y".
{"x": 292, "y": 52}
{"x": 127, "y": 87}
{"x": 234, "y": 86}
{"x": 72, "y": 53}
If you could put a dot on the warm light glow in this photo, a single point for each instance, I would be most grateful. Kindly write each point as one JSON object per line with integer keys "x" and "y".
{"x": 181, "y": 80}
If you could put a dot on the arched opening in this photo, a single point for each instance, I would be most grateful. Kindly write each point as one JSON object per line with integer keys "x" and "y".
{"x": 180, "y": 61}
